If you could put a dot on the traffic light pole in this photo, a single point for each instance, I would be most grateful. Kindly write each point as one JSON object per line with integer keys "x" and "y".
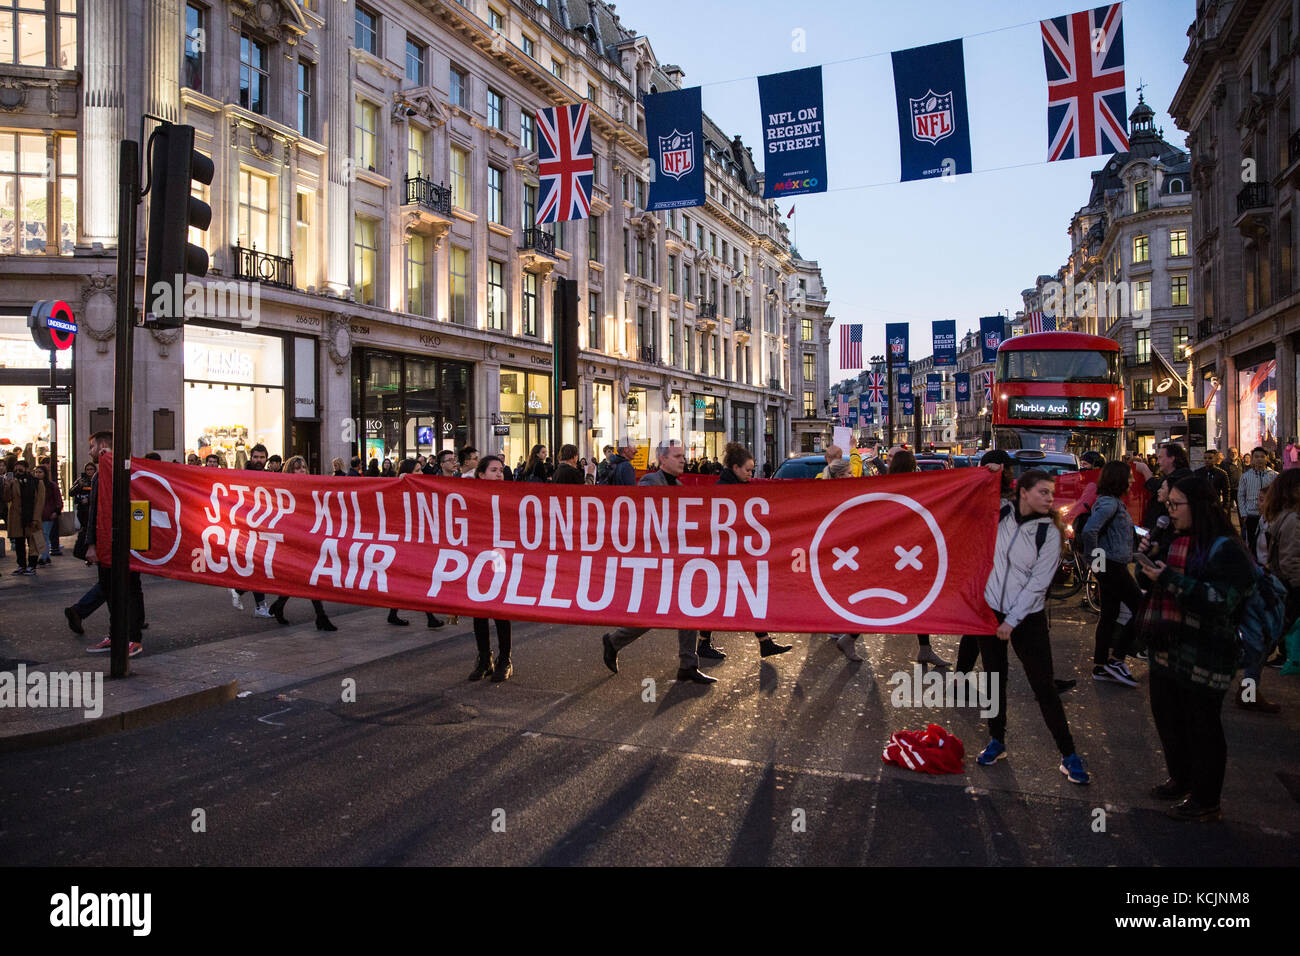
{"x": 122, "y": 608}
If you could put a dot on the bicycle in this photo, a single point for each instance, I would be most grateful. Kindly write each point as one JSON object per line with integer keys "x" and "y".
{"x": 1075, "y": 575}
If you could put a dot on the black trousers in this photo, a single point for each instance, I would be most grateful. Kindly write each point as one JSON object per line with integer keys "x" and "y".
{"x": 1252, "y": 533}
{"x": 1190, "y": 725}
{"x": 1117, "y": 587}
{"x": 134, "y": 593}
{"x": 968, "y": 652}
{"x": 1031, "y": 643}
{"x": 485, "y": 645}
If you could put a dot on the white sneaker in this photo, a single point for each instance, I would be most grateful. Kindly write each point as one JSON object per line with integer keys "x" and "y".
{"x": 262, "y": 610}
{"x": 1119, "y": 672}
{"x": 235, "y": 602}
{"x": 926, "y": 655}
{"x": 845, "y": 644}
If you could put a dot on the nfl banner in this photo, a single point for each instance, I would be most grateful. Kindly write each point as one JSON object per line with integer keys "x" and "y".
{"x": 564, "y": 163}
{"x": 896, "y": 343}
{"x": 794, "y": 134}
{"x": 853, "y": 416}
{"x": 674, "y": 123}
{"x": 905, "y": 393}
{"x": 908, "y": 406}
{"x": 864, "y": 404}
{"x": 945, "y": 343}
{"x": 963, "y": 386}
{"x": 933, "y": 388}
{"x": 868, "y": 417}
{"x": 933, "y": 128}
{"x": 991, "y": 328}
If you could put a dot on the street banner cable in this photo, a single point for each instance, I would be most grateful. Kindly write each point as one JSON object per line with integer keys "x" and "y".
{"x": 906, "y": 553}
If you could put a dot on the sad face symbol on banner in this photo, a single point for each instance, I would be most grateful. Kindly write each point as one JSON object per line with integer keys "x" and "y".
{"x": 879, "y": 559}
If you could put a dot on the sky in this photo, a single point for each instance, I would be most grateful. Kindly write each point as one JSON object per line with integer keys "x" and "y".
{"x": 890, "y": 251}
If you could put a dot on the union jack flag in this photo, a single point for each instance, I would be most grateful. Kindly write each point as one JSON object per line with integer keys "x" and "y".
{"x": 1086, "y": 111}
{"x": 876, "y": 388}
{"x": 1037, "y": 322}
{"x": 988, "y": 386}
{"x": 564, "y": 163}
{"x": 851, "y": 346}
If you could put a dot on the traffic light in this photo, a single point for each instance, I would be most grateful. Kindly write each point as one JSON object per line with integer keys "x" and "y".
{"x": 566, "y": 330}
{"x": 174, "y": 166}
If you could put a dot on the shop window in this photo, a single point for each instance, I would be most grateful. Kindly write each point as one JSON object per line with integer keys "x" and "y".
{"x": 365, "y": 257}
{"x": 459, "y": 178}
{"x": 234, "y": 393}
{"x": 496, "y": 295}
{"x": 459, "y": 285}
{"x": 1257, "y": 407}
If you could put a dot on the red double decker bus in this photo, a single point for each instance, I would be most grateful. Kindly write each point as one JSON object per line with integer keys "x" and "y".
{"x": 1059, "y": 392}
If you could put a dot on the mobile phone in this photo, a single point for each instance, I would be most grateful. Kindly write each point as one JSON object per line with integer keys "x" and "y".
{"x": 1140, "y": 531}
{"x": 1143, "y": 560}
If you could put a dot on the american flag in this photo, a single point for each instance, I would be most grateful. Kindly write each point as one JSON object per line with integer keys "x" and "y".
{"x": 564, "y": 163}
{"x": 844, "y": 410}
{"x": 851, "y": 346}
{"x": 876, "y": 388}
{"x": 1037, "y": 322}
{"x": 1086, "y": 111}
{"x": 988, "y": 386}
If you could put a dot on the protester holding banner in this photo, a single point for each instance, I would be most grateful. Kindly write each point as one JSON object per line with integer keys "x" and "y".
{"x": 903, "y": 462}
{"x": 492, "y": 468}
{"x": 844, "y": 643}
{"x": 738, "y": 469}
{"x": 999, "y": 462}
{"x": 1025, "y": 560}
{"x": 297, "y": 465}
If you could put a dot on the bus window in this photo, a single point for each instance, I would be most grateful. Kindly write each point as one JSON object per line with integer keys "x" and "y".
{"x": 1088, "y": 367}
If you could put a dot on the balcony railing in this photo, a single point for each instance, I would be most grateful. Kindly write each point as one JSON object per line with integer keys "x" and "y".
{"x": 1253, "y": 196}
{"x": 430, "y": 195}
{"x": 254, "y": 266}
{"x": 540, "y": 240}
{"x": 774, "y": 384}
{"x": 744, "y": 323}
{"x": 706, "y": 310}
{"x": 648, "y": 354}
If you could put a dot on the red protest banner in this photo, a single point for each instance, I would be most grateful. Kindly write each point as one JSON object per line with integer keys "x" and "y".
{"x": 906, "y": 553}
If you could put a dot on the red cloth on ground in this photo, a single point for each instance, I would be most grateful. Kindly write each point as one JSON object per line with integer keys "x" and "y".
{"x": 932, "y": 750}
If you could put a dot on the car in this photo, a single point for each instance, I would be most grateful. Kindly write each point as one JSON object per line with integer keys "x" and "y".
{"x": 801, "y": 466}
{"x": 1053, "y": 462}
{"x": 965, "y": 461}
{"x": 932, "y": 463}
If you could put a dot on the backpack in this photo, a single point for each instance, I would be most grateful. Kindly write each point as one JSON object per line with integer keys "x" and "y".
{"x": 1261, "y": 616}
{"x": 1040, "y": 536}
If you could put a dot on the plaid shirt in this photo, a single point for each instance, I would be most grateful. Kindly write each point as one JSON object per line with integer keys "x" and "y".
{"x": 1251, "y": 487}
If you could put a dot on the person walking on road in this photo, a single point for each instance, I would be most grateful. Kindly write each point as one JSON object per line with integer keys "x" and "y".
{"x": 297, "y": 465}
{"x": 492, "y": 468}
{"x": 903, "y": 462}
{"x": 24, "y": 494}
{"x": 1254, "y": 481}
{"x": 672, "y": 461}
{"x": 101, "y": 442}
{"x": 1026, "y": 557}
{"x": 1282, "y": 512}
{"x": 1110, "y": 528}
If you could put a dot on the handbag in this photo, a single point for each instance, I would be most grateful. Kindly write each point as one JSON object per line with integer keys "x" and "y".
{"x": 64, "y": 524}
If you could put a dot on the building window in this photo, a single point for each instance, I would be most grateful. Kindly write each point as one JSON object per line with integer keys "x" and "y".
{"x": 365, "y": 258}
{"x": 1142, "y": 395}
{"x": 527, "y": 130}
{"x": 1178, "y": 290}
{"x": 496, "y": 205}
{"x": 529, "y": 315}
{"x": 640, "y": 258}
{"x": 593, "y": 320}
{"x": 809, "y": 368}
{"x": 496, "y": 302}
{"x": 1178, "y": 242}
{"x": 1141, "y": 196}
{"x": 306, "y": 82}
{"x": 458, "y": 88}
{"x": 415, "y": 51}
{"x": 195, "y": 43}
{"x": 529, "y": 205}
{"x": 459, "y": 178}
{"x": 527, "y": 44}
{"x": 806, "y": 329}
{"x": 672, "y": 275}
{"x": 1142, "y": 346}
{"x": 593, "y": 92}
{"x": 367, "y": 135}
{"x": 416, "y": 267}
{"x": 416, "y": 148}
{"x": 593, "y": 238}
{"x": 1285, "y": 240}
{"x": 1141, "y": 296}
{"x": 1141, "y": 249}
{"x": 686, "y": 284}
{"x": 640, "y": 193}
{"x": 1180, "y": 342}
{"x": 459, "y": 285}
{"x": 254, "y": 75}
{"x": 495, "y": 109}
{"x": 557, "y": 69}
{"x": 366, "y": 31}
{"x": 496, "y": 20}
{"x": 809, "y": 403}
{"x": 255, "y": 223}
{"x": 28, "y": 37}
{"x": 304, "y": 203}
{"x": 25, "y": 220}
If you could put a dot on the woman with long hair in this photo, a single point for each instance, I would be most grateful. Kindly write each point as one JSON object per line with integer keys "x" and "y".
{"x": 492, "y": 468}
{"x": 1110, "y": 528}
{"x": 1026, "y": 557}
{"x": 297, "y": 465}
{"x": 1281, "y": 509}
{"x": 1189, "y": 620}
{"x": 387, "y": 469}
{"x": 537, "y": 468}
{"x": 49, "y": 514}
{"x": 738, "y": 469}
{"x": 336, "y": 464}
{"x": 903, "y": 462}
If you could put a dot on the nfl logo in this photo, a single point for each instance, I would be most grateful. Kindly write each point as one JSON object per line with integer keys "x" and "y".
{"x": 904, "y": 388}
{"x": 992, "y": 340}
{"x": 932, "y": 116}
{"x": 961, "y": 388}
{"x": 896, "y": 347}
{"x": 677, "y": 154}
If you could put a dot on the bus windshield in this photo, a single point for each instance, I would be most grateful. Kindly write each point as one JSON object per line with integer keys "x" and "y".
{"x": 1076, "y": 366}
{"x": 1074, "y": 441}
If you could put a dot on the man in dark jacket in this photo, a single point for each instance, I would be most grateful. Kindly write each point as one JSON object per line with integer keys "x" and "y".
{"x": 101, "y": 442}
{"x": 623, "y": 472}
{"x": 355, "y": 470}
{"x": 1174, "y": 466}
{"x": 567, "y": 472}
{"x": 1217, "y": 477}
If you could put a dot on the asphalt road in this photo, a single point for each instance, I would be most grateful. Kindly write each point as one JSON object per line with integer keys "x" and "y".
{"x": 778, "y": 763}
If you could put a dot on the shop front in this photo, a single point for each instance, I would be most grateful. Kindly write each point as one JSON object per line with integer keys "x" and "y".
{"x": 708, "y": 433}
{"x": 769, "y": 438}
{"x": 407, "y": 405}
{"x": 742, "y": 424}
{"x": 234, "y": 393}
{"x": 1257, "y": 411}
{"x": 24, "y": 421}
{"x": 603, "y": 424}
{"x": 526, "y": 410}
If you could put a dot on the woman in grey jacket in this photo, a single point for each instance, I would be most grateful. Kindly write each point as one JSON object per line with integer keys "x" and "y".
{"x": 1110, "y": 528}
{"x": 1026, "y": 558}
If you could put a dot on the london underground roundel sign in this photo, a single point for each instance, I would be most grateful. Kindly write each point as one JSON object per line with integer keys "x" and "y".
{"x": 52, "y": 325}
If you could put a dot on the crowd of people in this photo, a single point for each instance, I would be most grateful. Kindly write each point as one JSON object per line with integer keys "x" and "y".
{"x": 1197, "y": 551}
